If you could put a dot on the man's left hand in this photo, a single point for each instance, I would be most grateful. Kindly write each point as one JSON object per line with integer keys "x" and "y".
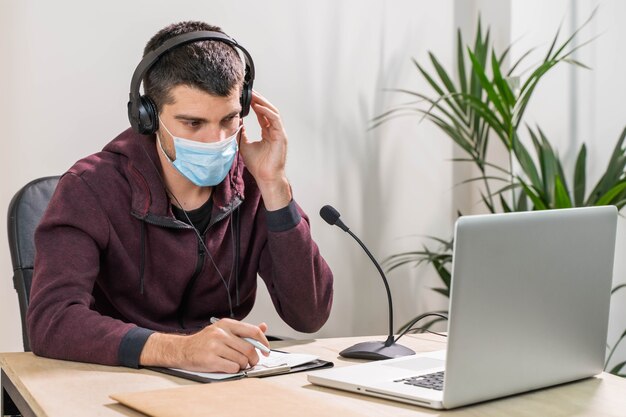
{"x": 265, "y": 159}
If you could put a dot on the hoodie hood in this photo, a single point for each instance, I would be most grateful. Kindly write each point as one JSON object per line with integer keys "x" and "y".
{"x": 149, "y": 200}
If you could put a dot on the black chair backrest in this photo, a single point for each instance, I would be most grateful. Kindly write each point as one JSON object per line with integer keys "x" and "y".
{"x": 25, "y": 211}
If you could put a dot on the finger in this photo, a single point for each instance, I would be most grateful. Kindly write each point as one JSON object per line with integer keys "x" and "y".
{"x": 263, "y": 328}
{"x": 247, "y": 145}
{"x": 226, "y": 365}
{"x": 256, "y": 333}
{"x": 263, "y": 121}
{"x": 216, "y": 348}
{"x": 244, "y": 348}
{"x": 267, "y": 118}
{"x": 243, "y": 136}
{"x": 258, "y": 98}
{"x": 249, "y": 330}
{"x": 239, "y": 351}
{"x": 239, "y": 330}
{"x": 225, "y": 344}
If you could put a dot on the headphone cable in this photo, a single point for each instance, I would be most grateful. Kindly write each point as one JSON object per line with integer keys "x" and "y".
{"x": 200, "y": 239}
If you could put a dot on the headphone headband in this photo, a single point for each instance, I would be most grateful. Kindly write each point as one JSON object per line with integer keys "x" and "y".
{"x": 142, "y": 110}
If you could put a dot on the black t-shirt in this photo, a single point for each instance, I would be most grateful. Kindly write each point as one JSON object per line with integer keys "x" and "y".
{"x": 199, "y": 217}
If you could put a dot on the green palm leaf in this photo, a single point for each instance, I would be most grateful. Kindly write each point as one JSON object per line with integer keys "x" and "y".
{"x": 526, "y": 162}
{"x": 488, "y": 86}
{"x": 614, "y": 172}
{"x": 561, "y": 196}
{"x": 580, "y": 176}
{"x": 533, "y": 195}
{"x": 461, "y": 63}
{"x": 611, "y": 195}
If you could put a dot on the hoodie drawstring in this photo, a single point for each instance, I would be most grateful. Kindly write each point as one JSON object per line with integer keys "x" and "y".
{"x": 237, "y": 245}
{"x": 142, "y": 259}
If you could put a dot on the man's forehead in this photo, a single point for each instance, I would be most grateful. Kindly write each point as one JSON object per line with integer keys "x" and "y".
{"x": 191, "y": 103}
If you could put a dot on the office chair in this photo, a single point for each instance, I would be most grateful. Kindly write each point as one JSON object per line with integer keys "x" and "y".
{"x": 25, "y": 211}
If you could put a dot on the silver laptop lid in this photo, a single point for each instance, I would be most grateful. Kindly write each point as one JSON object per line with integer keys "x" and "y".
{"x": 529, "y": 301}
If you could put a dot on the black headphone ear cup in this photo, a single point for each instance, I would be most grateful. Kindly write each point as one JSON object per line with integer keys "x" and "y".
{"x": 148, "y": 116}
{"x": 246, "y": 99}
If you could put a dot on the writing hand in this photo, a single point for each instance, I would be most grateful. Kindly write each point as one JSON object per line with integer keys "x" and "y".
{"x": 216, "y": 348}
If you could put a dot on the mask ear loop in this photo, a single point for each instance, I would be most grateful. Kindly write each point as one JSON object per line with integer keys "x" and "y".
{"x": 237, "y": 241}
{"x": 232, "y": 179}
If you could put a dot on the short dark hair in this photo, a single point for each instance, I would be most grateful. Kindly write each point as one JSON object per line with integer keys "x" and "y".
{"x": 211, "y": 66}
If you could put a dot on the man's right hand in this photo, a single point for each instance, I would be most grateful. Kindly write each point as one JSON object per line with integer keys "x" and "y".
{"x": 216, "y": 348}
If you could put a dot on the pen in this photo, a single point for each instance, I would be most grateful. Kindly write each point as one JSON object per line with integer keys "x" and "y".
{"x": 253, "y": 342}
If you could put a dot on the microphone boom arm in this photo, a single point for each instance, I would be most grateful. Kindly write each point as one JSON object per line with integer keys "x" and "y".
{"x": 390, "y": 338}
{"x": 368, "y": 350}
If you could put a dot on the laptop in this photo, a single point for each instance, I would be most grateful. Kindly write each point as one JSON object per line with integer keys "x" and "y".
{"x": 529, "y": 308}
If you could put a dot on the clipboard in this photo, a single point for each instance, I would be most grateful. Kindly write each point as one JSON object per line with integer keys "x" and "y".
{"x": 261, "y": 372}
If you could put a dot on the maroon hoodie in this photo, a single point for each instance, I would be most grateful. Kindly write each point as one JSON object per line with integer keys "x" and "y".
{"x": 114, "y": 265}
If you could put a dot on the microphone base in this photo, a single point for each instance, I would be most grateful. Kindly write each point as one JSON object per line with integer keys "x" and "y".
{"x": 375, "y": 351}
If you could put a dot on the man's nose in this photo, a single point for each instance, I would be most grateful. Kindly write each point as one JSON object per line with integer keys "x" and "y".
{"x": 215, "y": 134}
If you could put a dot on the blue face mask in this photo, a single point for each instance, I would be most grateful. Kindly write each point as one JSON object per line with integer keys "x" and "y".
{"x": 204, "y": 164}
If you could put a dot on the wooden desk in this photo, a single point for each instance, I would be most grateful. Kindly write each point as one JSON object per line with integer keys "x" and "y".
{"x": 46, "y": 387}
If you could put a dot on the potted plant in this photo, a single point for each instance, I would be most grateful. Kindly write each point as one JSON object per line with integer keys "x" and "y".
{"x": 485, "y": 101}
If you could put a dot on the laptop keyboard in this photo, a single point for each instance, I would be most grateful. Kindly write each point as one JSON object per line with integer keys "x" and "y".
{"x": 432, "y": 381}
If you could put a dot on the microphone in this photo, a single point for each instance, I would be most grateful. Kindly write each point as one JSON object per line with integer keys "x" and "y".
{"x": 368, "y": 350}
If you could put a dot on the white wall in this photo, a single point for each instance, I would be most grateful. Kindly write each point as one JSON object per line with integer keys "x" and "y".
{"x": 65, "y": 73}
{"x": 64, "y": 80}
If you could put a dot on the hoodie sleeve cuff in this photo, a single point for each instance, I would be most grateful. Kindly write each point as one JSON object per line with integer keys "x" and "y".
{"x": 283, "y": 219}
{"x": 131, "y": 346}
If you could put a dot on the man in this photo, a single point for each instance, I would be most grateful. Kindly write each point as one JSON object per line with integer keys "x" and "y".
{"x": 144, "y": 242}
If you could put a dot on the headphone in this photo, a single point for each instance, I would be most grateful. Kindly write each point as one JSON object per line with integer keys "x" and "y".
{"x": 143, "y": 113}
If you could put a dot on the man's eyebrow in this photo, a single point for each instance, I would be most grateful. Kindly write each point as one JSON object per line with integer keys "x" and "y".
{"x": 202, "y": 119}
{"x": 231, "y": 114}
{"x": 189, "y": 117}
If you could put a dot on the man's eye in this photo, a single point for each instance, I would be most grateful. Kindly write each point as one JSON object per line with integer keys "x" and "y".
{"x": 193, "y": 123}
{"x": 229, "y": 120}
